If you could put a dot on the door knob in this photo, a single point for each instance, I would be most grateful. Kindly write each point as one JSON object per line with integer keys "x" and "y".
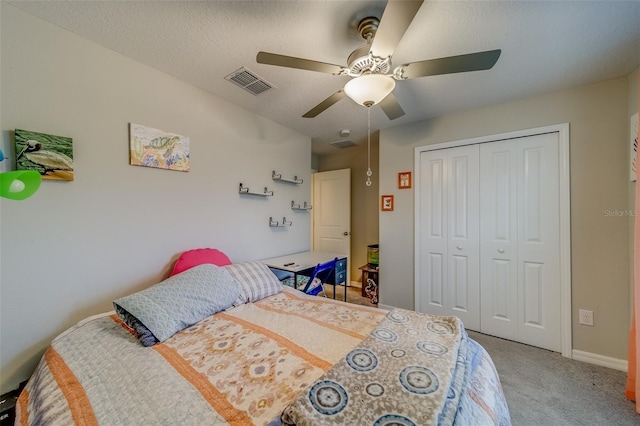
{"x": 346, "y": 233}
{"x": 459, "y": 247}
{"x": 500, "y": 250}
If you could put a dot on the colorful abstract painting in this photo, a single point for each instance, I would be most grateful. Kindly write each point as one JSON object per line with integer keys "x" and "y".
{"x": 49, "y": 155}
{"x": 150, "y": 147}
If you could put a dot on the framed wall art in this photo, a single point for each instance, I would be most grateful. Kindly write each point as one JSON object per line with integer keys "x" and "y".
{"x": 404, "y": 180}
{"x": 386, "y": 203}
{"x": 49, "y": 155}
{"x": 151, "y": 147}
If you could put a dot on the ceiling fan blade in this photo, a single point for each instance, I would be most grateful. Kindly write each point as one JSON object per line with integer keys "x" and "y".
{"x": 292, "y": 62}
{"x": 325, "y": 104}
{"x": 452, "y": 64}
{"x": 396, "y": 18}
{"x": 391, "y": 107}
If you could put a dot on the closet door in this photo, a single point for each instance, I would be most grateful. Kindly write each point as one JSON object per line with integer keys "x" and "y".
{"x": 449, "y": 241}
{"x": 539, "y": 242}
{"x": 520, "y": 221}
{"x": 463, "y": 242}
{"x": 499, "y": 239}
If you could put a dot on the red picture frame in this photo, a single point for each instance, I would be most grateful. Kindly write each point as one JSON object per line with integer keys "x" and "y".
{"x": 386, "y": 203}
{"x": 404, "y": 180}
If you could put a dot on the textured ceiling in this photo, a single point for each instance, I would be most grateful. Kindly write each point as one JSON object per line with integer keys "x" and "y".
{"x": 546, "y": 46}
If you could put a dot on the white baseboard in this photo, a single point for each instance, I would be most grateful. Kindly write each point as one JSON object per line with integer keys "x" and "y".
{"x": 386, "y": 307}
{"x": 604, "y": 361}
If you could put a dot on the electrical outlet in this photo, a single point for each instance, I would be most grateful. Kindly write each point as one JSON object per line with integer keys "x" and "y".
{"x": 586, "y": 317}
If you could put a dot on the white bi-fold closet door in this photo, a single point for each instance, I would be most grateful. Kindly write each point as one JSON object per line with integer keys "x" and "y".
{"x": 489, "y": 237}
{"x": 450, "y": 235}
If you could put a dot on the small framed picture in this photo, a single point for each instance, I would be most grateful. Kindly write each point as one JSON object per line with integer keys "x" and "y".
{"x": 404, "y": 180}
{"x": 386, "y": 203}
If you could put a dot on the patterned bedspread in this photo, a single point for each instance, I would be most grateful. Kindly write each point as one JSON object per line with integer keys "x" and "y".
{"x": 241, "y": 366}
{"x": 411, "y": 370}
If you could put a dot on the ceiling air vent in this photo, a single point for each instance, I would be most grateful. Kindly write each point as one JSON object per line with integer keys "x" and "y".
{"x": 249, "y": 81}
{"x": 343, "y": 143}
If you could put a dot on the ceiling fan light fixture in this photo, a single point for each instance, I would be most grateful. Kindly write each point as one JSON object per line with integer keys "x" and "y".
{"x": 369, "y": 89}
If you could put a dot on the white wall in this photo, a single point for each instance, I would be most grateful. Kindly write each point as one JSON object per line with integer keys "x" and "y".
{"x": 73, "y": 247}
{"x": 599, "y": 153}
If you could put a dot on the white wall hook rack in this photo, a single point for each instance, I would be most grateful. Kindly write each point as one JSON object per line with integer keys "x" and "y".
{"x": 276, "y": 176}
{"x": 276, "y": 224}
{"x": 245, "y": 190}
{"x": 304, "y": 206}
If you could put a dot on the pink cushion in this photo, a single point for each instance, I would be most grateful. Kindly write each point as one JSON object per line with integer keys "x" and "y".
{"x": 195, "y": 257}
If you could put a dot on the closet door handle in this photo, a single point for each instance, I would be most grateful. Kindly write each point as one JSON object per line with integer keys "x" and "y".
{"x": 500, "y": 250}
{"x": 459, "y": 247}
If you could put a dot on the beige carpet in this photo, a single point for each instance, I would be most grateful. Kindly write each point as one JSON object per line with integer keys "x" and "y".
{"x": 545, "y": 388}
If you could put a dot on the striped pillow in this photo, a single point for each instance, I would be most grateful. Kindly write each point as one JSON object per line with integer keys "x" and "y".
{"x": 256, "y": 281}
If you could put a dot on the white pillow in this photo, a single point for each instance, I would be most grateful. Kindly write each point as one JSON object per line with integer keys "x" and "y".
{"x": 256, "y": 281}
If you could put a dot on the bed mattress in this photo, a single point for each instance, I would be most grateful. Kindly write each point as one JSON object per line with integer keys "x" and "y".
{"x": 252, "y": 363}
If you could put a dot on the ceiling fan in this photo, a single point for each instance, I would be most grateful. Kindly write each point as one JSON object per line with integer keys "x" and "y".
{"x": 370, "y": 65}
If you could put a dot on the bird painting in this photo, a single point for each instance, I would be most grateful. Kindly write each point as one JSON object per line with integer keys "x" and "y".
{"x": 45, "y": 153}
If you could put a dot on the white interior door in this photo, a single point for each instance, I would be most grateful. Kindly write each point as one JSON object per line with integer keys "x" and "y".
{"x": 433, "y": 239}
{"x": 524, "y": 235}
{"x": 520, "y": 249}
{"x": 499, "y": 239}
{"x": 463, "y": 245}
{"x": 450, "y": 234}
{"x": 539, "y": 242}
{"x": 332, "y": 211}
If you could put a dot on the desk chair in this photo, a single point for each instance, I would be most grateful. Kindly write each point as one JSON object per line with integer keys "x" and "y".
{"x": 320, "y": 273}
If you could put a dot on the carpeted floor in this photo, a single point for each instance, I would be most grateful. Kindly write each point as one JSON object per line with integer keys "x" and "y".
{"x": 544, "y": 388}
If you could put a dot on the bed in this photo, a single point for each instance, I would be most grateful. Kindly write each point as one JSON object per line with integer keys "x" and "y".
{"x": 249, "y": 350}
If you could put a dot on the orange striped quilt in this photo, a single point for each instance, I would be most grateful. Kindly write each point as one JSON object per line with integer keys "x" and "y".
{"x": 240, "y": 367}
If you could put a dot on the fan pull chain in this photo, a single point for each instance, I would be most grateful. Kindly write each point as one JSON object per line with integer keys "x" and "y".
{"x": 369, "y": 172}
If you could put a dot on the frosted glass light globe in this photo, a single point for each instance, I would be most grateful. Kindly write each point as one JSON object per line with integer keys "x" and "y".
{"x": 369, "y": 89}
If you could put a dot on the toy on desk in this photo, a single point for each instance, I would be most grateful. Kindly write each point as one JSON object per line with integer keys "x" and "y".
{"x": 18, "y": 184}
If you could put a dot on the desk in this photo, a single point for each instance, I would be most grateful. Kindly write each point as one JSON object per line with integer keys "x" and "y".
{"x": 304, "y": 262}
